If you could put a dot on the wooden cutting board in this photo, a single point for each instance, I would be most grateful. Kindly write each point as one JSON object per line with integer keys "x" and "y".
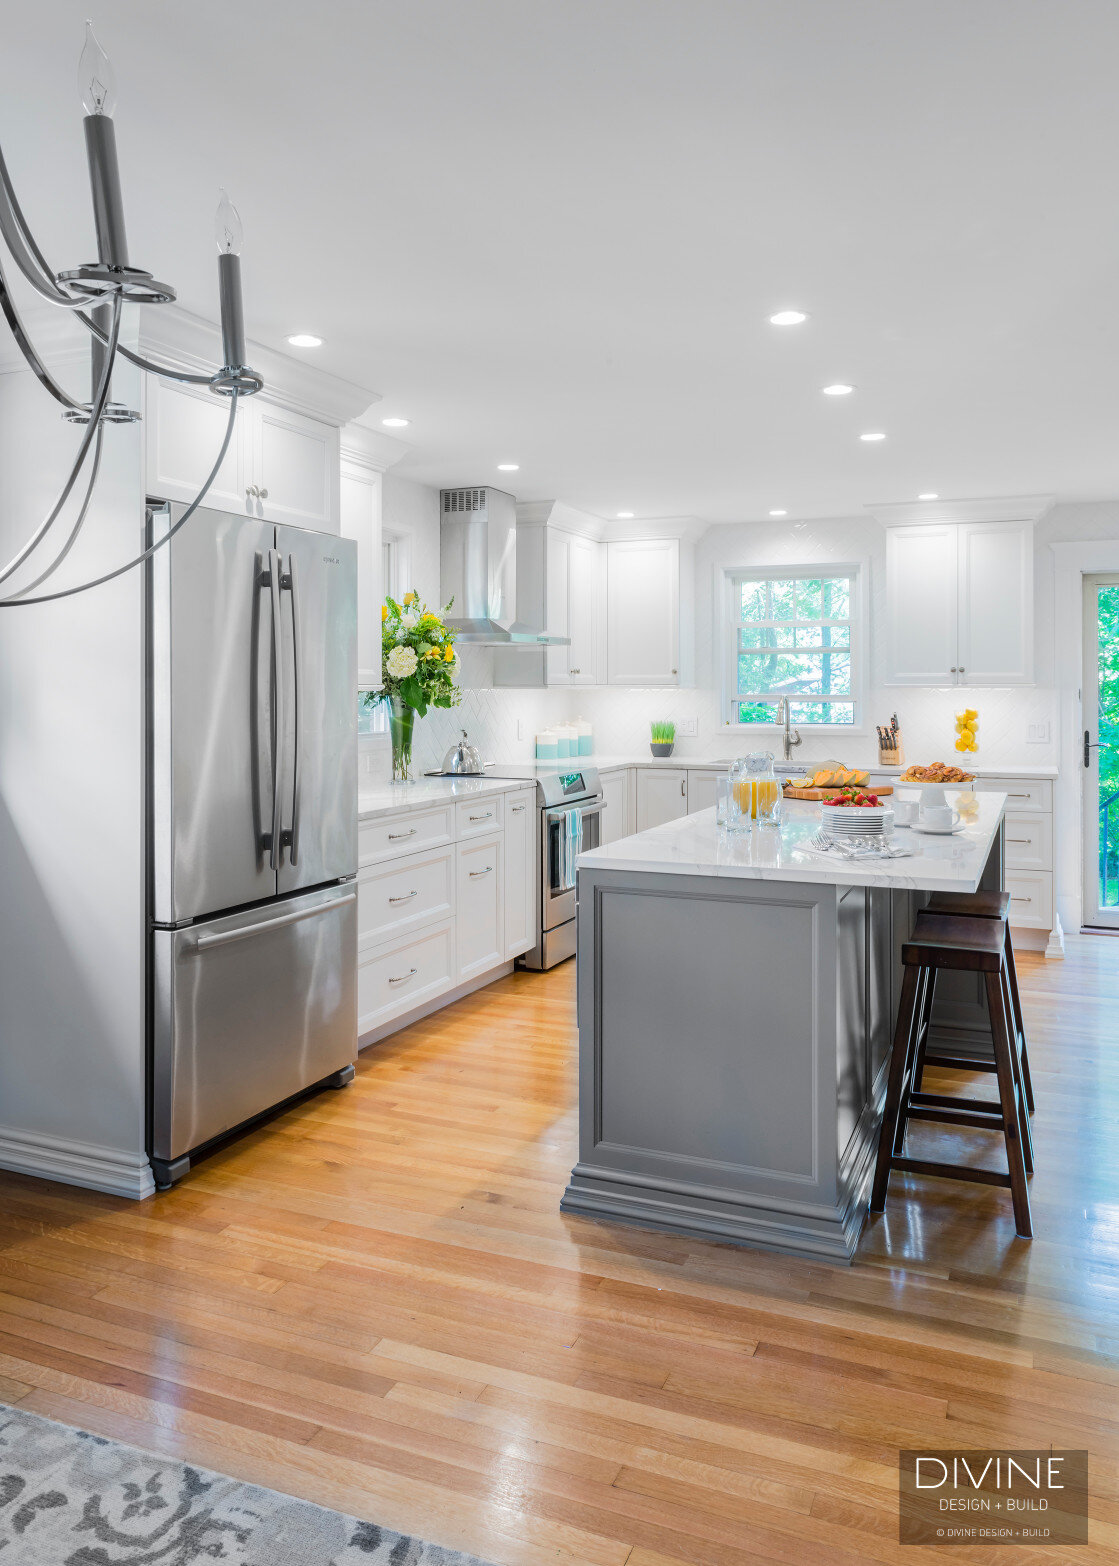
{"x": 827, "y": 793}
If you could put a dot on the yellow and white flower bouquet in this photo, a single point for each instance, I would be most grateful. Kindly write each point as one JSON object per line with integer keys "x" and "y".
{"x": 418, "y": 663}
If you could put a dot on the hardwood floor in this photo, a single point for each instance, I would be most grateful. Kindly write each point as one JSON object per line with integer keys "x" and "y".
{"x": 374, "y": 1302}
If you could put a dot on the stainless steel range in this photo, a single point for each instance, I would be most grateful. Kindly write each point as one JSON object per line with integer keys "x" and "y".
{"x": 569, "y": 819}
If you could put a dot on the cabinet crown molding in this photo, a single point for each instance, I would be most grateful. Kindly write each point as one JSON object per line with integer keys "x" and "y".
{"x": 190, "y": 343}
{"x": 370, "y": 449}
{"x": 1004, "y": 508}
{"x": 557, "y": 513}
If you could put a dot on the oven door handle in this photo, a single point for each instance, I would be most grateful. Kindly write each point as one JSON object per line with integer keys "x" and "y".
{"x": 565, "y": 810}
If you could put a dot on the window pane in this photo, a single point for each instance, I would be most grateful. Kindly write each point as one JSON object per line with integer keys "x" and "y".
{"x": 782, "y": 600}
{"x": 821, "y": 636}
{"x": 821, "y": 712}
{"x": 766, "y": 636}
{"x": 757, "y": 712}
{"x": 836, "y": 598}
{"x": 753, "y": 601}
{"x": 792, "y": 674}
{"x": 810, "y": 599}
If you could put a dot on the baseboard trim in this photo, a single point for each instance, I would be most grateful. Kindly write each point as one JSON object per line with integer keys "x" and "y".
{"x": 107, "y": 1169}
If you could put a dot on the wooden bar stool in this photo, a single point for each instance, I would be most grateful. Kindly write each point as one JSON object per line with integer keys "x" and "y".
{"x": 939, "y": 942}
{"x": 985, "y": 905}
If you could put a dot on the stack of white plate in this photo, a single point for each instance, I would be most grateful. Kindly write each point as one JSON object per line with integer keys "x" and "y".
{"x": 840, "y": 821}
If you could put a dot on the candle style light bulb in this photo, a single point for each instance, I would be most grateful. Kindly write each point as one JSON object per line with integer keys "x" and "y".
{"x": 228, "y": 230}
{"x": 96, "y": 78}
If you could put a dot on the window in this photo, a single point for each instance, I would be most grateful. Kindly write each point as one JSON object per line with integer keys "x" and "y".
{"x": 794, "y": 635}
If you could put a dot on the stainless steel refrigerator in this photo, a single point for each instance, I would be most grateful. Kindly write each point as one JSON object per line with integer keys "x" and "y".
{"x": 252, "y": 821}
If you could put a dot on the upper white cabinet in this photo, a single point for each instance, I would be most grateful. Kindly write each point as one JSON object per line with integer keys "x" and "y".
{"x": 643, "y": 612}
{"x": 281, "y": 466}
{"x": 572, "y": 590}
{"x": 959, "y": 599}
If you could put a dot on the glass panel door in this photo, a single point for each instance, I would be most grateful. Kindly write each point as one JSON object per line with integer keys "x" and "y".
{"x": 1100, "y": 755}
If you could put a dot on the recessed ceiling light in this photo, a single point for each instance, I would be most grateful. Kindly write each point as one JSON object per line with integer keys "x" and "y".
{"x": 778, "y": 513}
{"x": 305, "y": 340}
{"x": 929, "y": 495}
{"x": 874, "y": 435}
{"x": 395, "y": 424}
{"x": 788, "y": 318}
{"x": 839, "y": 389}
{"x": 508, "y": 467}
{"x": 624, "y": 516}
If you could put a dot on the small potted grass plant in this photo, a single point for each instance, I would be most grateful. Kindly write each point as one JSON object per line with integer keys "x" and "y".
{"x": 662, "y": 737}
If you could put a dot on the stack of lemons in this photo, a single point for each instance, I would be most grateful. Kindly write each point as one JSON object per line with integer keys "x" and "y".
{"x": 967, "y": 729}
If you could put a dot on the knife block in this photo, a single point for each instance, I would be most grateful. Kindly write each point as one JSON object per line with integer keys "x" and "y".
{"x": 892, "y": 758}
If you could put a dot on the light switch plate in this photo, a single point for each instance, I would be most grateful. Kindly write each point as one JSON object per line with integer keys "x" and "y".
{"x": 520, "y": 728}
{"x": 1037, "y": 733}
{"x": 687, "y": 728}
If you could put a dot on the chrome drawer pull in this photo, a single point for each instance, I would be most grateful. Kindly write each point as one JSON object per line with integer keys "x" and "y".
{"x": 1017, "y": 796}
{"x": 406, "y": 898}
{"x": 396, "y": 836}
{"x": 517, "y": 810}
{"x": 1026, "y": 840}
{"x": 1021, "y": 899}
{"x": 486, "y": 817}
{"x": 409, "y": 975}
{"x": 474, "y": 874}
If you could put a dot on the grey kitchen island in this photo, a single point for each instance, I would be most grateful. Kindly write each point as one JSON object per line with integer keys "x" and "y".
{"x": 736, "y": 999}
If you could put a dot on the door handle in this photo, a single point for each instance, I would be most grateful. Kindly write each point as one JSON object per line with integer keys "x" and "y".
{"x": 206, "y": 943}
{"x": 272, "y": 840}
{"x": 297, "y": 677}
{"x": 1089, "y": 745}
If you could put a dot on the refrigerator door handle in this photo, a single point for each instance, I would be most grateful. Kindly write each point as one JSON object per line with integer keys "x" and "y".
{"x": 274, "y": 840}
{"x": 206, "y": 943}
{"x": 292, "y": 838}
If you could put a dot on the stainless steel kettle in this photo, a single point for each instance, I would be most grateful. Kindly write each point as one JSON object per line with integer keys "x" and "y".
{"x": 463, "y": 759}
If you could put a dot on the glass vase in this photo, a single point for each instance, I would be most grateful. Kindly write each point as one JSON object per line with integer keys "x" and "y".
{"x": 402, "y": 723}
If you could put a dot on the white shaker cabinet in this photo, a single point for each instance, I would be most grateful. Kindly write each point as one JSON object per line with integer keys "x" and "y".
{"x": 480, "y": 925}
{"x": 520, "y": 873}
{"x": 281, "y": 466}
{"x": 960, "y": 604}
{"x": 615, "y": 797}
{"x": 662, "y": 795}
{"x": 701, "y": 789}
{"x": 643, "y": 612}
{"x": 573, "y": 569}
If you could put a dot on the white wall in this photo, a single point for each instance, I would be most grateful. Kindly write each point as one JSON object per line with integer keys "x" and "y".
{"x": 71, "y": 816}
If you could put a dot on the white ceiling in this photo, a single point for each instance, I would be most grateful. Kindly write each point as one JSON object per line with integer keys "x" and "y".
{"x": 551, "y": 231}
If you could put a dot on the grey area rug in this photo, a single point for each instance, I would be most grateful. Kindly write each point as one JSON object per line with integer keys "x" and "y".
{"x": 68, "y": 1498}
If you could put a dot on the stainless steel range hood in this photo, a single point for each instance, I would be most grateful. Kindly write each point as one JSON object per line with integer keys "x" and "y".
{"x": 478, "y": 568}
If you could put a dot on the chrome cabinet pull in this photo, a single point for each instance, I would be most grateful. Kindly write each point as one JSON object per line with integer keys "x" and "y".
{"x": 474, "y": 874}
{"x": 262, "y": 494}
{"x": 684, "y": 787}
{"x": 517, "y": 810}
{"x": 486, "y": 817}
{"x": 394, "y": 837}
{"x": 1024, "y": 840}
{"x": 406, "y": 898}
{"x": 405, "y": 976}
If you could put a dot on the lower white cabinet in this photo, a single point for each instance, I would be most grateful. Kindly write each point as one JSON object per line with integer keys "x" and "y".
{"x": 480, "y": 905}
{"x": 520, "y": 873}
{"x": 615, "y": 797}
{"x": 404, "y": 974}
{"x": 701, "y": 790}
{"x": 404, "y": 894}
{"x": 662, "y": 795}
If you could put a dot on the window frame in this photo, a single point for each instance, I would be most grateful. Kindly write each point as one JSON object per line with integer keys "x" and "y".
{"x": 730, "y": 621}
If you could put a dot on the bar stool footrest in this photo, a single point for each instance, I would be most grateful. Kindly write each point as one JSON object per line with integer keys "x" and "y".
{"x": 951, "y": 1171}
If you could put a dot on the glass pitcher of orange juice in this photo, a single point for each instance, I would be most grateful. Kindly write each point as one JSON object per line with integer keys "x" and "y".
{"x": 755, "y": 791}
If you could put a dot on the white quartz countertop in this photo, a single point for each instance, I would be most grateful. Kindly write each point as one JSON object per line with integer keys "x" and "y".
{"x": 375, "y": 801}
{"x": 694, "y": 845}
{"x": 610, "y": 762}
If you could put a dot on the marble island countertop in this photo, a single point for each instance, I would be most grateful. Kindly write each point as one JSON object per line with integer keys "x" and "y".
{"x": 694, "y": 845}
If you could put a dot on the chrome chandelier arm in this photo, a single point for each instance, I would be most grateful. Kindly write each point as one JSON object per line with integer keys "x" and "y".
{"x": 164, "y": 370}
{"x": 25, "y": 252}
{"x": 26, "y": 347}
{"x": 95, "y": 467}
{"x": 16, "y": 602}
{"x": 95, "y": 413}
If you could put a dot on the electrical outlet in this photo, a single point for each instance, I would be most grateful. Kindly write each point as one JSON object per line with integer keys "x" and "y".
{"x": 687, "y": 728}
{"x": 1037, "y": 733}
{"x": 520, "y": 728}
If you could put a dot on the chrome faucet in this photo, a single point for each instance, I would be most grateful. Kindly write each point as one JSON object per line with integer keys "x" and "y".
{"x": 789, "y": 737}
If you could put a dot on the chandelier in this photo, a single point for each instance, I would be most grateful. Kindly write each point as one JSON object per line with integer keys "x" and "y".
{"x": 96, "y": 294}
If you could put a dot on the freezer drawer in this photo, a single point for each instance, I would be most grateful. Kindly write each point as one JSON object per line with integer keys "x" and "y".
{"x": 250, "y": 1009}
